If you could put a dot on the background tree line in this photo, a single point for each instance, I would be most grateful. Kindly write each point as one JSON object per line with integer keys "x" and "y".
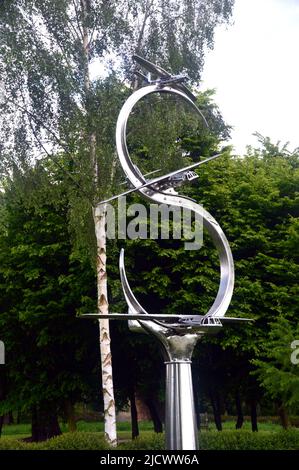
{"x": 58, "y": 160}
{"x": 47, "y": 279}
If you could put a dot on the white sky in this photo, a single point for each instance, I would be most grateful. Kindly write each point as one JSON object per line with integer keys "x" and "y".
{"x": 254, "y": 67}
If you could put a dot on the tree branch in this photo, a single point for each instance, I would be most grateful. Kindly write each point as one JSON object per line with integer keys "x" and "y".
{"x": 77, "y": 18}
{"x": 69, "y": 175}
{"x": 147, "y": 14}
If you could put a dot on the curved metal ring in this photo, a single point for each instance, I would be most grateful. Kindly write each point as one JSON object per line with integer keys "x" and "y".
{"x": 225, "y": 291}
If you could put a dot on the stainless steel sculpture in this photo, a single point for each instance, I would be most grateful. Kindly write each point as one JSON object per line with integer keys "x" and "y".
{"x": 177, "y": 334}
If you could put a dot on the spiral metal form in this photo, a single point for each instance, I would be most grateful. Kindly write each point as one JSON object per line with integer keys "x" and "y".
{"x": 176, "y": 340}
{"x": 225, "y": 291}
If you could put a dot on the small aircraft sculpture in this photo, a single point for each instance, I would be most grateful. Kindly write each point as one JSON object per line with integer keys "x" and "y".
{"x": 164, "y": 186}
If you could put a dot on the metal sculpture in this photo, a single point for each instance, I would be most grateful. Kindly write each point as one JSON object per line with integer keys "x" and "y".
{"x": 177, "y": 334}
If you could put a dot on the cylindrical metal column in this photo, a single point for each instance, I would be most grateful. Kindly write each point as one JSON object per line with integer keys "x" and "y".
{"x": 180, "y": 418}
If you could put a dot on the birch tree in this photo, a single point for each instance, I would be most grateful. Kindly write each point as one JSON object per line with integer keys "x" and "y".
{"x": 48, "y": 105}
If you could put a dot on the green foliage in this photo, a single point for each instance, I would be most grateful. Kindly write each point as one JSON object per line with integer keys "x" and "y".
{"x": 175, "y": 34}
{"x": 48, "y": 46}
{"x": 256, "y": 203}
{"x": 151, "y": 442}
{"x": 50, "y": 353}
{"x": 255, "y": 200}
{"x": 51, "y": 106}
{"x": 275, "y": 370}
{"x": 13, "y": 444}
{"x": 226, "y": 440}
{"x": 244, "y": 440}
{"x": 164, "y": 133}
{"x": 68, "y": 441}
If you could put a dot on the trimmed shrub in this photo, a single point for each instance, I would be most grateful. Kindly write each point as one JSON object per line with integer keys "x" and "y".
{"x": 210, "y": 440}
{"x": 73, "y": 441}
{"x": 227, "y": 440}
{"x": 67, "y": 441}
{"x": 247, "y": 440}
{"x": 151, "y": 442}
{"x": 12, "y": 444}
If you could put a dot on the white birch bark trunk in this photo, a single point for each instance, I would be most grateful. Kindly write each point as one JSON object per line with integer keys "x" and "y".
{"x": 99, "y": 214}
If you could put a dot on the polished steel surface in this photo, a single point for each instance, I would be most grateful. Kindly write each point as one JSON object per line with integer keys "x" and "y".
{"x": 170, "y": 180}
{"x": 163, "y": 76}
{"x": 170, "y": 318}
{"x": 180, "y": 419}
{"x": 133, "y": 174}
{"x": 177, "y": 337}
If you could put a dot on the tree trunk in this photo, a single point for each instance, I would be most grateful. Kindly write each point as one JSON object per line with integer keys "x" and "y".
{"x": 146, "y": 14}
{"x": 99, "y": 215}
{"x": 196, "y": 398}
{"x": 134, "y": 414}
{"x": 283, "y": 415}
{"x": 198, "y": 418}
{"x": 106, "y": 357}
{"x": 70, "y": 416}
{"x": 10, "y": 417}
{"x": 1, "y": 424}
{"x": 253, "y": 415}
{"x": 216, "y": 410}
{"x": 2, "y": 396}
{"x": 44, "y": 424}
{"x": 150, "y": 403}
{"x": 240, "y": 416}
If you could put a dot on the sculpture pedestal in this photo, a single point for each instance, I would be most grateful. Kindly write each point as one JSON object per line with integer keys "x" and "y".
{"x": 180, "y": 418}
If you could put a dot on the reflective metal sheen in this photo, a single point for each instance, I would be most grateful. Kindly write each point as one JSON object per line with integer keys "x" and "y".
{"x": 176, "y": 340}
{"x": 135, "y": 177}
{"x": 177, "y": 335}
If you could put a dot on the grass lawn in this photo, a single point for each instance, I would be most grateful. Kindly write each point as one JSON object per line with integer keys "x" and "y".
{"x": 90, "y": 436}
{"x": 230, "y": 425}
{"x": 20, "y": 431}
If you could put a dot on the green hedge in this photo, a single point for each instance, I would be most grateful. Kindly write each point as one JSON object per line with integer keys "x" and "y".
{"x": 247, "y": 440}
{"x": 229, "y": 440}
{"x": 67, "y": 441}
{"x": 213, "y": 440}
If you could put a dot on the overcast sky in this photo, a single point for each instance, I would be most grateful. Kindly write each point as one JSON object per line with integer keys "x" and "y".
{"x": 255, "y": 69}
